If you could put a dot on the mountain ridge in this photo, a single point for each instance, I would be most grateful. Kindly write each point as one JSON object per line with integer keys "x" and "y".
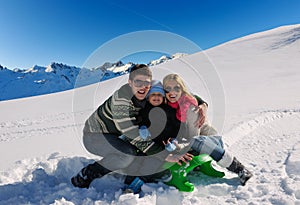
{"x": 57, "y": 77}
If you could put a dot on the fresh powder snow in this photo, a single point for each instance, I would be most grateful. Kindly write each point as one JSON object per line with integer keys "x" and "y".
{"x": 252, "y": 87}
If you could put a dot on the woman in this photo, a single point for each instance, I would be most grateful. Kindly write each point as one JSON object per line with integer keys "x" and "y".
{"x": 177, "y": 118}
{"x": 161, "y": 122}
{"x": 198, "y": 141}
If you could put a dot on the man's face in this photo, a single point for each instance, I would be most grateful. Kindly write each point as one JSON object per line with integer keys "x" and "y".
{"x": 140, "y": 86}
{"x": 156, "y": 99}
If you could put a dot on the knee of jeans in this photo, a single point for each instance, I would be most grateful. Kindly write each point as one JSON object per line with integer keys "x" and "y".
{"x": 198, "y": 142}
{"x": 131, "y": 151}
{"x": 121, "y": 160}
{"x": 200, "y": 138}
{"x": 89, "y": 144}
{"x": 126, "y": 159}
{"x": 218, "y": 140}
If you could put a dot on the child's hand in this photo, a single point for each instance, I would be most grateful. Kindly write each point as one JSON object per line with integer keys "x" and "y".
{"x": 171, "y": 144}
{"x": 144, "y": 132}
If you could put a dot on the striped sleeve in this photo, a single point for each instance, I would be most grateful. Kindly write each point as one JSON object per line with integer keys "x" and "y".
{"x": 124, "y": 114}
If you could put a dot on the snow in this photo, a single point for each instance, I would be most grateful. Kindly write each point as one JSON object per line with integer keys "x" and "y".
{"x": 122, "y": 68}
{"x": 252, "y": 90}
{"x": 164, "y": 59}
{"x": 160, "y": 60}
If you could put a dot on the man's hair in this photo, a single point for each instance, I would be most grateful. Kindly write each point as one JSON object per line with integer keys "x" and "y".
{"x": 139, "y": 69}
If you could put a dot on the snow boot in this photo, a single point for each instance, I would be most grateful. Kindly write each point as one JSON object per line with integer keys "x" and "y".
{"x": 134, "y": 187}
{"x": 243, "y": 173}
{"x": 86, "y": 175}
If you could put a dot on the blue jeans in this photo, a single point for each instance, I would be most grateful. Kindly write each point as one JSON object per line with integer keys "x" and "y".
{"x": 211, "y": 145}
{"x": 116, "y": 153}
{"x": 121, "y": 155}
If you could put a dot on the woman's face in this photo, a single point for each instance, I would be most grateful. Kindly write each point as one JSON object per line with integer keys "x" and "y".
{"x": 156, "y": 99}
{"x": 173, "y": 91}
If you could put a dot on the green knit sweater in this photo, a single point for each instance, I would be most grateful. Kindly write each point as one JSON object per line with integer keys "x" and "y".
{"x": 119, "y": 115}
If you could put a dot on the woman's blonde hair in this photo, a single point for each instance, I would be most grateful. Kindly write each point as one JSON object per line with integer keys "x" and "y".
{"x": 179, "y": 80}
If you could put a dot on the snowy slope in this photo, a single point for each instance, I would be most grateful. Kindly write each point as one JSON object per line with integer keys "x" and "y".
{"x": 251, "y": 85}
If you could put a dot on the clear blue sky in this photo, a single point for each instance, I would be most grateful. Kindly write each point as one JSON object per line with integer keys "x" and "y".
{"x": 38, "y": 32}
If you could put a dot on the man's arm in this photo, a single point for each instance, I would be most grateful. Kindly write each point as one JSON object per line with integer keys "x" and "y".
{"x": 124, "y": 117}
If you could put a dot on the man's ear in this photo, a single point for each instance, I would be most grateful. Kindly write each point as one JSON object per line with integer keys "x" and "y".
{"x": 129, "y": 82}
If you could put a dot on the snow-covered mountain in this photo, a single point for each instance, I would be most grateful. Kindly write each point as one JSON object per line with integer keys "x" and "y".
{"x": 164, "y": 59}
{"x": 58, "y": 77}
{"x": 55, "y": 77}
{"x": 41, "y": 137}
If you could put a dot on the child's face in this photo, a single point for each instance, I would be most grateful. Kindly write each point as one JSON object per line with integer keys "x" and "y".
{"x": 173, "y": 91}
{"x": 155, "y": 99}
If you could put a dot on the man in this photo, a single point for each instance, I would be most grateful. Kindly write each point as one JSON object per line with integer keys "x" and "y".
{"x": 118, "y": 115}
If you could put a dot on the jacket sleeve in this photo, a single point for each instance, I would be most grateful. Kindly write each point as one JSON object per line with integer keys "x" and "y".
{"x": 185, "y": 103}
{"x": 200, "y": 100}
{"x": 124, "y": 116}
{"x": 143, "y": 117}
{"x": 187, "y": 131}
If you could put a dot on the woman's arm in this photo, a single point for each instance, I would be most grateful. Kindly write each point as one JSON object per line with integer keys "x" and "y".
{"x": 202, "y": 112}
{"x": 186, "y": 132}
{"x": 200, "y": 100}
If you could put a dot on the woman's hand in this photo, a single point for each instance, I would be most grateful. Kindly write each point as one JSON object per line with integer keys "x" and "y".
{"x": 179, "y": 158}
{"x": 202, "y": 115}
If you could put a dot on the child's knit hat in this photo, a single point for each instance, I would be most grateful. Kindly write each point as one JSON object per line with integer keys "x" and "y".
{"x": 156, "y": 87}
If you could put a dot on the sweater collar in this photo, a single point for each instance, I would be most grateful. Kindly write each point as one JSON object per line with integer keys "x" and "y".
{"x": 138, "y": 103}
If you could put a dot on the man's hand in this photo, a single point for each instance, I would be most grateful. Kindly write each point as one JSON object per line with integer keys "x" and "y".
{"x": 144, "y": 132}
{"x": 179, "y": 158}
{"x": 202, "y": 112}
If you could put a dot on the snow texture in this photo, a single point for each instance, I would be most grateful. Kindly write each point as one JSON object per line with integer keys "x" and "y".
{"x": 41, "y": 148}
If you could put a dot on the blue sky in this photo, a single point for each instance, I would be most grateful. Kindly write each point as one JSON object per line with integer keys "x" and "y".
{"x": 36, "y": 32}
